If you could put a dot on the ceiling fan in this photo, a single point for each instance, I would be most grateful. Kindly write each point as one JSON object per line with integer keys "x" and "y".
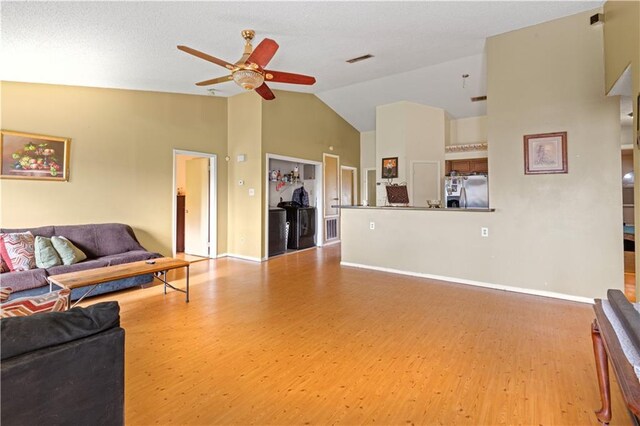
{"x": 249, "y": 72}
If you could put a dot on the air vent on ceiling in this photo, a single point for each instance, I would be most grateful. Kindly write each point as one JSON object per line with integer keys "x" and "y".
{"x": 360, "y": 58}
{"x": 479, "y": 98}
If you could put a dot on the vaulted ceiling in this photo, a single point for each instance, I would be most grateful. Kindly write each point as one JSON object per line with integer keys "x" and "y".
{"x": 421, "y": 49}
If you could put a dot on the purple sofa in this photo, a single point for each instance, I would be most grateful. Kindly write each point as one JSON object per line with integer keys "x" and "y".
{"x": 104, "y": 244}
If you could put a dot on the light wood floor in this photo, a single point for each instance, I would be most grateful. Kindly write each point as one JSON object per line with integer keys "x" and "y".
{"x": 630, "y": 275}
{"x": 301, "y": 340}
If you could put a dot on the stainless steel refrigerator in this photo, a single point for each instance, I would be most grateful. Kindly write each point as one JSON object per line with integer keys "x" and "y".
{"x": 471, "y": 192}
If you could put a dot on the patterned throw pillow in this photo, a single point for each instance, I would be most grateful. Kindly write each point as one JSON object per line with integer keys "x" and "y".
{"x": 49, "y": 302}
{"x": 17, "y": 250}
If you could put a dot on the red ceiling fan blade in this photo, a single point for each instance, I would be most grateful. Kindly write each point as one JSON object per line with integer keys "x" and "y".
{"x": 263, "y": 53}
{"x": 206, "y": 57}
{"x": 287, "y": 77}
{"x": 215, "y": 80}
{"x": 265, "y": 92}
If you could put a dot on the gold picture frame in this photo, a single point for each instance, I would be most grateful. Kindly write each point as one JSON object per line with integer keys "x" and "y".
{"x": 33, "y": 156}
{"x": 545, "y": 153}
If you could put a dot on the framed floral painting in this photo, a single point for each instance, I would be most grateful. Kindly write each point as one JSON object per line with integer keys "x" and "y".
{"x": 390, "y": 168}
{"x": 31, "y": 156}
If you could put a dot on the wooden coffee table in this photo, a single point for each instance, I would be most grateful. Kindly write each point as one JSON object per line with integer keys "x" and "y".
{"x": 94, "y": 277}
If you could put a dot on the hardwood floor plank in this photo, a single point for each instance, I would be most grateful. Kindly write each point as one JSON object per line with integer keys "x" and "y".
{"x": 302, "y": 340}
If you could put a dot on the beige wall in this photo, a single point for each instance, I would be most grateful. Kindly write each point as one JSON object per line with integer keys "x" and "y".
{"x": 245, "y": 211}
{"x": 622, "y": 48}
{"x": 626, "y": 135}
{"x": 121, "y": 156}
{"x": 550, "y": 234}
{"x": 555, "y": 232}
{"x": 468, "y": 130}
{"x": 367, "y": 158}
{"x": 411, "y": 132}
{"x": 622, "y": 42}
{"x": 300, "y": 125}
{"x": 181, "y": 172}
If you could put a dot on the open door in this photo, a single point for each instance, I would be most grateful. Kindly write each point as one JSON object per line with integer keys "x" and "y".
{"x": 196, "y": 227}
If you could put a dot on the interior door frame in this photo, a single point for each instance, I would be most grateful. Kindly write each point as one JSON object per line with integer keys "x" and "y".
{"x": 365, "y": 184}
{"x": 337, "y": 157}
{"x": 337, "y": 216}
{"x": 319, "y": 191}
{"x": 213, "y": 199}
{"x": 440, "y": 188}
{"x": 354, "y": 182}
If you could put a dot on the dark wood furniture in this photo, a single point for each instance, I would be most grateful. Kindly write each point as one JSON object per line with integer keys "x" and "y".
{"x": 471, "y": 165}
{"x": 606, "y": 346}
{"x": 180, "y": 210}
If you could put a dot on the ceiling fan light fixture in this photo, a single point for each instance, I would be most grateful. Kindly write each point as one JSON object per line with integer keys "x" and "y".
{"x": 248, "y": 79}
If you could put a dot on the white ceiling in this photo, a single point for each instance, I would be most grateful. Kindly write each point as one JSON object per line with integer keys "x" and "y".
{"x": 421, "y": 49}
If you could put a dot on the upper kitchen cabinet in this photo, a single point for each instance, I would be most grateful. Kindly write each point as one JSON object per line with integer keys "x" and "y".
{"x": 466, "y": 166}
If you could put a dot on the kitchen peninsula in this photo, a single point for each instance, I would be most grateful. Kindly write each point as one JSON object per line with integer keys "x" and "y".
{"x": 437, "y": 243}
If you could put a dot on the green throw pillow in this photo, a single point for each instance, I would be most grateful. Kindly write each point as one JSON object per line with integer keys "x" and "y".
{"x": 69, "y": 253}
{"x": 46, "y": 255}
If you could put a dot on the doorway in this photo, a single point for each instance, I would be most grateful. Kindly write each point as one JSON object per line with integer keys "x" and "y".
{"x": 628, "y": 223}
{"x": 348, "y": 186}
{"x": 331, "y": 189}
{"x": 369, "y": 187}
{"x": 285, "y": 229}
{"x": 194, "y": 221}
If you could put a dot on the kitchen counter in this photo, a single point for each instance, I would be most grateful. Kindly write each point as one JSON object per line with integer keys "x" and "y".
{"x": 489, "y": 210}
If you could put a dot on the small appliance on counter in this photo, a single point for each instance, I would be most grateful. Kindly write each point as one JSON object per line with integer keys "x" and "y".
{"x": 470, "y": 192}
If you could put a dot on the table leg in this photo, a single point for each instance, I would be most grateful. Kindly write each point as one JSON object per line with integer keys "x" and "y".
{"x": 602, "y": 369}
{"x": 164, "y": 274}
{"x": 187, "y": 283}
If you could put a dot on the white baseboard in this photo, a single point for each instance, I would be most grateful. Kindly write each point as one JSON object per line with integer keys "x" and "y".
{"x": 239, "y": 256}
{"x": 475, "y": 283}
{"x": 222, "y": 255}
{"x": 332, "y": 242}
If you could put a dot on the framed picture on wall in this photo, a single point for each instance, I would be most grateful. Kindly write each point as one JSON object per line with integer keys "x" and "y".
{"x": 545, "y": 153}
{"x": 31, "y": 156}
{"x": 390, "y": 168}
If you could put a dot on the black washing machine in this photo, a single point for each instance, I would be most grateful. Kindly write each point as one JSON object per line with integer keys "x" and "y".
{"x": 302, "y": 227}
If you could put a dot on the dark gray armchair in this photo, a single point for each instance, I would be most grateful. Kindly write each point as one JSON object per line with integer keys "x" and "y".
{"x": 63, "y": 367}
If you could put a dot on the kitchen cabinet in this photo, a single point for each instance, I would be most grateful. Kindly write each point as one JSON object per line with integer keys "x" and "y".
{"x": 465, "y": 166}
